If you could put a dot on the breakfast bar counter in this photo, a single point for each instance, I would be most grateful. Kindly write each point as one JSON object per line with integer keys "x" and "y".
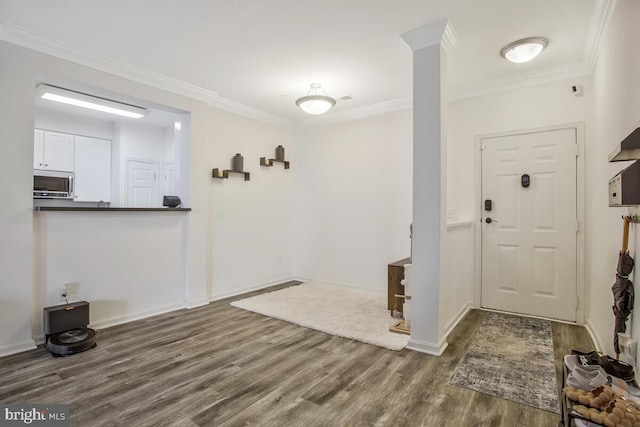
{"x": 109, "y": 209}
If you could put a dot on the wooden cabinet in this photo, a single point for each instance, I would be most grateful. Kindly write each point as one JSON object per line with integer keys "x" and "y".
{"x": 395, "y": 273}
{"x": 53, "y": 151}
{"x": 92, "y": 169}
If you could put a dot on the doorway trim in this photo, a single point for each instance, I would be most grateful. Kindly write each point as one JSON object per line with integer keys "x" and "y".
{"x": 581, "y": 300}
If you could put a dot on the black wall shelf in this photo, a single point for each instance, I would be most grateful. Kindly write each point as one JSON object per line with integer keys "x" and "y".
{"x": 217, "y": 173}
{"x": 269, "y": 162}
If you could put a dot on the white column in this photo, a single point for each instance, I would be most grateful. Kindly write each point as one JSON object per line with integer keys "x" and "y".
{"x": 429, "y": 45}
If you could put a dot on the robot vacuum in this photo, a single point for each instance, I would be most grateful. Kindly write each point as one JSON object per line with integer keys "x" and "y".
{"x": 66, "y": 331}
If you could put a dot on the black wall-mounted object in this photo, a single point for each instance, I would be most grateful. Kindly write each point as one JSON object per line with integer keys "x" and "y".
{"x": 525, "y": 180}
{"x": 488, "y": 205}
{"x": 624, "y": 188}
{"x": 171, "y": 201}
{"x": 278, "y": 159}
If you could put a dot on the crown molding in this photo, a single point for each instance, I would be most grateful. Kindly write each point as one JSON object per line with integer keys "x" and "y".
{"x": 518, "y": 81}
{"x": 440, "y": 32}
{"x": 360, "y": 112}
{"x": 44, "y": 44}
{"x": 437, "y": 33}
{"x": 598, "y": 23}
{"x": 38, "y": 42}
{"x": 250, "y": 112}
{"x": 599, "y": 20}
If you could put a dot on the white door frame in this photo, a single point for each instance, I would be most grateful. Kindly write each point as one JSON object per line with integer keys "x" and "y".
{"x": 580, "y": 211}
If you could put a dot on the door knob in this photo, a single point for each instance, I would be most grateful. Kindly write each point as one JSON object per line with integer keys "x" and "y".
{"x": 489, "y": 220}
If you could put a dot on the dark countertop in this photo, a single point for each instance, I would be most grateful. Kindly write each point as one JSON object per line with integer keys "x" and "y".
{"x": 96, "y": 209}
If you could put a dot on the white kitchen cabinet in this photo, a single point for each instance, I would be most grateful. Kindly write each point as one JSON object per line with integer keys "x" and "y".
{"x": 53, "y": 151}
{"x": 38, "y": 149}
{"x": 92, "y": 169}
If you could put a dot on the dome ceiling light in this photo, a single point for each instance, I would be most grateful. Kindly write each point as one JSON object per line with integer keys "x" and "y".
{"x": 314, "y": 103}
{"x": 524, "y": 50}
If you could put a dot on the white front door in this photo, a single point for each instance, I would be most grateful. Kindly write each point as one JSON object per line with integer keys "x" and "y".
{"x": 529, "y": 257}
{"x": 142, "y": 184}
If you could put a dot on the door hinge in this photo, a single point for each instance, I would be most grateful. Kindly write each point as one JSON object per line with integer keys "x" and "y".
{"x": 577, "y": 150}
{"x": 577, "y": 226}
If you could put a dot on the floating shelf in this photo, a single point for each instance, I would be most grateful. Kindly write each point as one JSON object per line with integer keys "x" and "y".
{"x": 628, "y": 149}
{"x": 269, "y": 162}
{"x": 216, "y": 173}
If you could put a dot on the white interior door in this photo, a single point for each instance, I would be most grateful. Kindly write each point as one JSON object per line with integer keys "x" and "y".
{"x": 529, "y": 258}
{"x": 142, "y": 184}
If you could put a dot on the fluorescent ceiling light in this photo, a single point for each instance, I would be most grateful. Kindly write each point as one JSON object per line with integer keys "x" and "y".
{"x": 79, "y": 99}
{"x": 315, "y": 104}
{"x": 524, "y": 50}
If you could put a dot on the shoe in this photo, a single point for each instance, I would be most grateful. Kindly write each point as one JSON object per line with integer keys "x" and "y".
{"x": 574, "y": 361}
{"x": 591, "y": 376}
{"x": 590, "y": 358}
{"x": 617, "y": 368}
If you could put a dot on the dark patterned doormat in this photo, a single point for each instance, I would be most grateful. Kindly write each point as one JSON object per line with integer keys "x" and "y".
{"x": 511, "y": 357}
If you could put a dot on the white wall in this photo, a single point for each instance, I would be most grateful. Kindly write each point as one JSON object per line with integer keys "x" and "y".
{"x": 251, "y": 234}
{"x": 76, "y": 125}
{"x": 513, "y": 110}
{"x": 16, "y": 186}
{"x": 128, "y": 265}
{"x": 616, "y": 103}
{"x": 141, "y": 141}
{"x": 353, "y": 199}
{"x": 457, "y": 276}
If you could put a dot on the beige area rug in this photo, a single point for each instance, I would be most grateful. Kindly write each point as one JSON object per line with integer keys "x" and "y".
{"x": 338, "y": 310}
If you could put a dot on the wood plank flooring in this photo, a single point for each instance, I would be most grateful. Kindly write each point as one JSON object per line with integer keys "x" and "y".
{"x": 222, "y": 366}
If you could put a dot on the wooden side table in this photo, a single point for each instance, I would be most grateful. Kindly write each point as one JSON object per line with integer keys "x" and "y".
{"x": 395, "y": 273}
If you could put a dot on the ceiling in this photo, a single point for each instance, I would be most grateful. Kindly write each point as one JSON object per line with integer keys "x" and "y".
{"x": 264, "y": 54}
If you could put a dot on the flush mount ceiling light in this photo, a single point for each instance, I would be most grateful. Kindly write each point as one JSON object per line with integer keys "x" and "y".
{"x": 524, "y": 50}
{"x": 79, "y": 99}
{"x": 314, "y": 103}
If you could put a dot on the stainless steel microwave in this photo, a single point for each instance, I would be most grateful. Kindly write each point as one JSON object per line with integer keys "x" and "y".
{"x": 53, "y": 184}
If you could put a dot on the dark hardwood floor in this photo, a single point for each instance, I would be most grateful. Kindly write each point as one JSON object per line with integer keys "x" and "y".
{"x": 222, "y": 366}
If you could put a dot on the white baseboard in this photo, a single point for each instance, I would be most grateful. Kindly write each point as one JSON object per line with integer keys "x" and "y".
{"x": 595, "y": 337}
{"x": 39, "y": 339}
{"x": 7, "y": 350}
{"x": 118, "y": 320}
{"x": 255, "y": 287}
{"x": 196, "y": 303}
{"x": 427, "y": 347}
{"x": 450, "y": 326}
{"x": 438, "y": 349}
